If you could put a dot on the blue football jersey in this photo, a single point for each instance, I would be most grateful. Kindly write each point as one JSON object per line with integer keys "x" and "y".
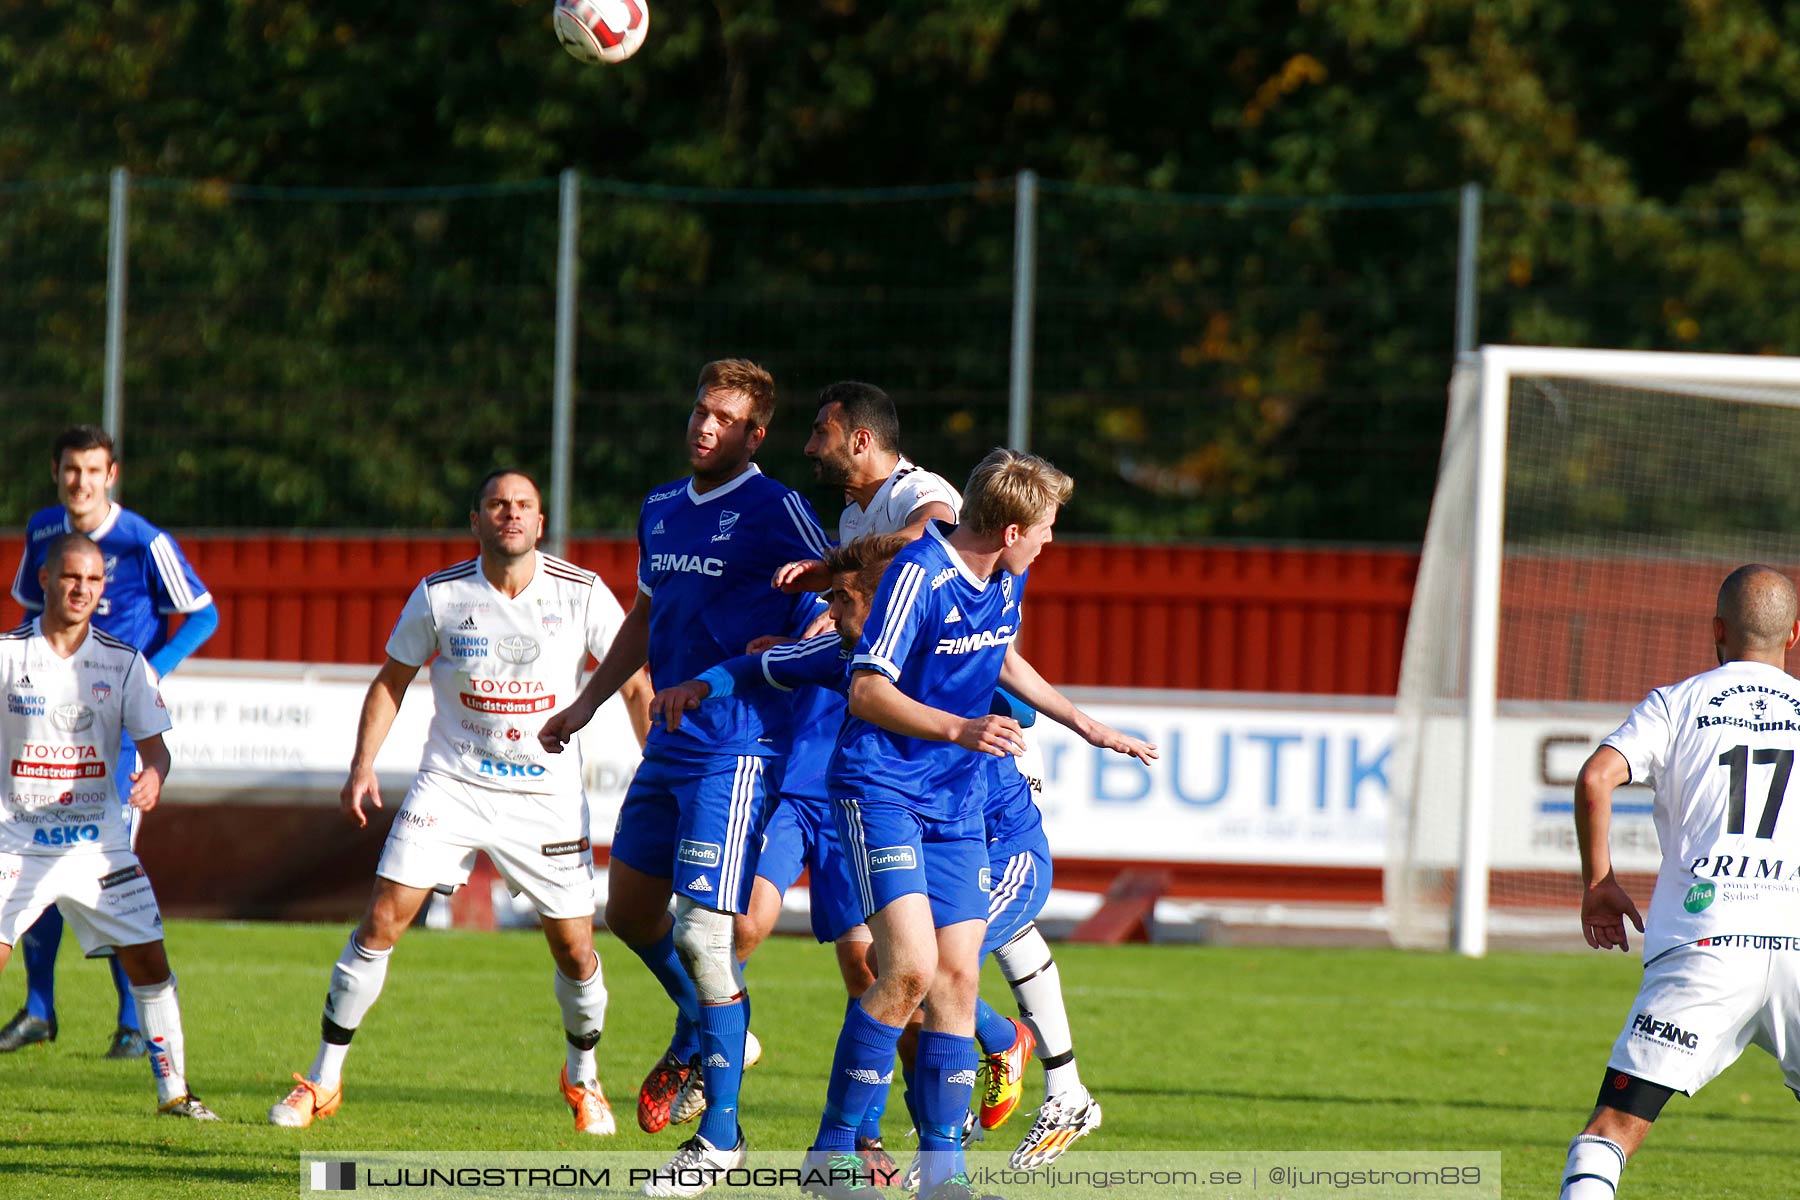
{"x": 147, "y": 576}
{"x": 941, "y": 634}
{"x": 705, "y": 561}
{"x": 818, "y": 671}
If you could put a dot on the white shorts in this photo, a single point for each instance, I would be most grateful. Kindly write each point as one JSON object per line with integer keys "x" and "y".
{"x": 1701, "y": 1004}
{"x": 538, "y": 843}
{"x": 105, "y": 898}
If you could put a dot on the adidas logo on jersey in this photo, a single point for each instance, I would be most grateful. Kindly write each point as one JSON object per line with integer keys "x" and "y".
{"x": 468, "y": 624}
{"x": 700, "y": 885}
{"x": 953, "y": 616}
{"x": 24, "y": 681}
{"x": 657, "y": 530}
{"x": 863, "y": 1075}
{"x": 719, "y": 1062}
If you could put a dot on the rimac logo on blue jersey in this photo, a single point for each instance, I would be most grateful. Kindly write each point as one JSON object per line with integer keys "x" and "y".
{"x": 968, "y": 643}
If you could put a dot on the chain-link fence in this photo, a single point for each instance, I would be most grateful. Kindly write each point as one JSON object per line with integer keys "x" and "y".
{"x": 1204, "y": 366}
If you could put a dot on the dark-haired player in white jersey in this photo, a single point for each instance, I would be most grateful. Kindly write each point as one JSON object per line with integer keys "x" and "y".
{"x": 71, "y": 693}
{"x": 507, "y": 635}
{"x": 1722, "y": 945}
{"x": 707, "y": 547}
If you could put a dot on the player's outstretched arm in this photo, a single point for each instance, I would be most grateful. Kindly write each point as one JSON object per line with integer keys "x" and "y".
{"x": 380, "y": 705}
{"x": 147, "y": 783}
{"x": 875, "y": 699}
{"x": 1023, "y": 680}
{"x": 1605, "y": 906}
{"x": 629, "y": 651}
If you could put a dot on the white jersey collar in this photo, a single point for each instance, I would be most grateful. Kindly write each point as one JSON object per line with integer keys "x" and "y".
{"x": 703, "y": 497}
{"x": 935, "y": 528}
{"x": 37, "y": 631}
{"x": 537, "y": 573}
{"x": 101, "y": 530}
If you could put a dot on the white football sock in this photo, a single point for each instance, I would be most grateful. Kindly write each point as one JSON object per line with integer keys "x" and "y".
{"x": 1593, "y": 1169}
{"x": 1037, "y": 988}
{"x": 160, "y": 1012}
{"x": 583, "y": 1004}
{"x": 356, "y": 980}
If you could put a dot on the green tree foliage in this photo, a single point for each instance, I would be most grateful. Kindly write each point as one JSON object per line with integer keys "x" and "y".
{"x": 1221, "y": 351}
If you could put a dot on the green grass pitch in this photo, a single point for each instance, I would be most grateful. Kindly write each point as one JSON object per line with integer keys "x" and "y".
{"x": 1188, "y": 1048}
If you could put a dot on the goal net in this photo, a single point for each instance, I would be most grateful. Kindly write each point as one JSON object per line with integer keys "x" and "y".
{"x": 1588, "y": 505}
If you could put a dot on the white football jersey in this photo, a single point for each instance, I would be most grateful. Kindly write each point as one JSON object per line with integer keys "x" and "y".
{"x": 59, "y": 739}
{"x": 503, "y": 665}
{"x": 1719, "y": 749}
{"x": 908, "y": 488}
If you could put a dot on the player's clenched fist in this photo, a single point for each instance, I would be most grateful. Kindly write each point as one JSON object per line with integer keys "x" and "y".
{"x": 562, "y": 726}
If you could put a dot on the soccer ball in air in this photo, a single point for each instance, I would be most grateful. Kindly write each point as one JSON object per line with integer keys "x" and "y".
{"x": 602, "y": 31}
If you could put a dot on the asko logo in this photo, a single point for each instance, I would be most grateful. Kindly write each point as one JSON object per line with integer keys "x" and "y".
{"x": 66, "y": 835}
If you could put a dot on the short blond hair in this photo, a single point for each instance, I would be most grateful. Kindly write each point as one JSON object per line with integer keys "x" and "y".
{"x": 1011, "y": 488}
{"x": 743, "y": 376}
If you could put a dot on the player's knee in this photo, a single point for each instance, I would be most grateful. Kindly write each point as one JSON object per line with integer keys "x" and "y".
{"x": 853, "y": 965}
{"x": 748, "y": 929}
{"x": 631, "y": 923}
{"x": 703, "y": 940}
{"x": 145, "y": 965}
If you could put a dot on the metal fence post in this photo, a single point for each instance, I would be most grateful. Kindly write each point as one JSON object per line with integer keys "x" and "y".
{"x": 118, "y": 233}
{"x": 1468, "y": 258}
{"x": 1018, "y": 417}
{"x": 562, "y": 418}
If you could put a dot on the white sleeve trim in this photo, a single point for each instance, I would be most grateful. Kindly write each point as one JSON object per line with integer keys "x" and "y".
{"x": 810, "y": 533}
{"x": 875, "y": 662}
{"x": 170, "y": 570}
{"x": 762, "y": 660}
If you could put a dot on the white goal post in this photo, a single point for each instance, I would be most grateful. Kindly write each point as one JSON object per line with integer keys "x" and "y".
{"x": 1588, "y": 503}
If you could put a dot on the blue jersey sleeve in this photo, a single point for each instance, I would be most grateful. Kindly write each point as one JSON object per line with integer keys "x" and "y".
{"x": 43, "y": 526}
{"x": 816, "y": 662}
{"x": 901, "y": 608}
{"x": 177, "y": 587}
{"x": 808, "y": 538}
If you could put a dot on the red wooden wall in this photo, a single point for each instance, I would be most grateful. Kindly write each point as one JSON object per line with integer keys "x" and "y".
{"x": 1231, "y": 618}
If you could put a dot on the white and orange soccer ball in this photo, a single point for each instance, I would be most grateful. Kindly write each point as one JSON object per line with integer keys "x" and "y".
{"x": 602, "y": 31}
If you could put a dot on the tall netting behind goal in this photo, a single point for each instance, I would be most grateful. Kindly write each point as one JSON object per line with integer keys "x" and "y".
{"x": 1588, "y": 505}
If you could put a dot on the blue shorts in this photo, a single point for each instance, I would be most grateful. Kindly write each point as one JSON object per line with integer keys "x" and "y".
{"x": 892, "y": 851}
{"x": 694, "y": 824}
{"x": 1021, "y": 875}
{"x": 801, "y": 833}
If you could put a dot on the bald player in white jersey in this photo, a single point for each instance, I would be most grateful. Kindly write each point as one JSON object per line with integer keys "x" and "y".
{"x": 511, "y": 632}
{"x": 1722, "y": 946}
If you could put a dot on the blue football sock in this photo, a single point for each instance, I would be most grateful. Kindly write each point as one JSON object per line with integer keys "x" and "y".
{"x": 993, "y": 1031}
{"x": 665, "y": 964}
{"x": 871, "y": 1122}
{"x": 40, "y": 944}
{"x": 862, "y": 1067}
{"x": 946, "y": 1068}
{"x": 128, "y": 1013}
{"x": 722, "y": 1029}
